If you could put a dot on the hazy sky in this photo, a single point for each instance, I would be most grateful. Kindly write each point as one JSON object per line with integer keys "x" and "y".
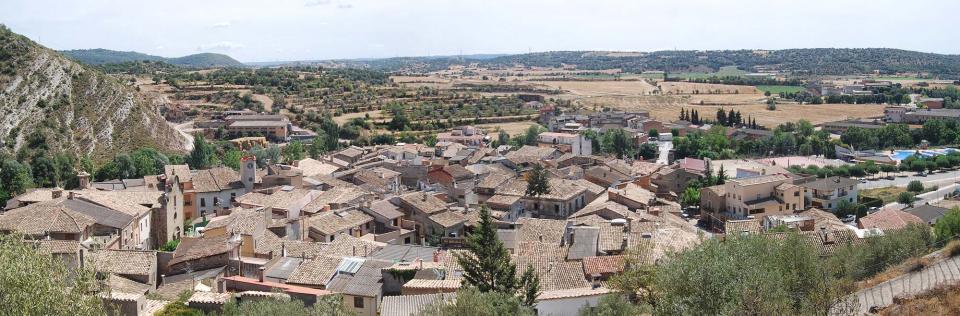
{"x": 323, "y": 29}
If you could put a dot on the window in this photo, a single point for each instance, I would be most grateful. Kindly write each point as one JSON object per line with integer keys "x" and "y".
{"x": 406, "y": 241}
{"x": 203, "y": 202}
{"x": 796, "y": 193}
{"x": 357, "y": 302}
{"x": 556, "y": 209}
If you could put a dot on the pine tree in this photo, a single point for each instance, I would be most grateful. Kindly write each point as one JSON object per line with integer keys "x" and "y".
{"x": 487, "y": 267}
{"x": 721, "y": 175}
{"x": 200, "y": 156}
{"x": 683, "y": 114}
{"x": 538, "y": 181}
{"x": 722, "y": 117}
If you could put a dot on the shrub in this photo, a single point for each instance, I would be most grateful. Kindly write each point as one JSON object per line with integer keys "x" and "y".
{"x": 915, "y": 186}
{"x": 905, "y": 198}
{"x": 952, "y": 249}
{"x": 948, "y": 226}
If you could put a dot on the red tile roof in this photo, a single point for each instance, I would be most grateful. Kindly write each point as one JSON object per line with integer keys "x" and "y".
{"x": 889, "y": 219}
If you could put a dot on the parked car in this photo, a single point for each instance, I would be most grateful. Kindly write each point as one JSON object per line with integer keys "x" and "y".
{"x": 890, "y": 177}
{"x": 862, "y": 180}
{"x": 921, "y": 174}
{"x": 849, "y": 218}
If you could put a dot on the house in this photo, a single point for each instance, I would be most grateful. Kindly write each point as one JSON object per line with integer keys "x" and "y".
{"x": 410, "y": 305}
{"x": 389, "y": 223}
{"x": 466, "y": 135}
{"x": 455, "y": 179}
{"x": 575, "y": 144}
{"x": 754, "y": 197}
{"x": 216, "y": 188}
{"x": 526, "y": 156}
{"x": 135, "y": 265}
{"x": 568, "y": 302}
{"x": 273, "y": 126}
{"x": 888, "y": 219}
{"x": 315, "y": 272}
{"x": 565, "y": 196}
{"x": 928, "y": 213}
{"x": 675, "y": 178}
{"x": 827, "y": 193}
{"x": 324, "y": 227}
{"x": 196, "y": 254}
{"x": 931, "y": 103}
{"x": 360, "y": 282}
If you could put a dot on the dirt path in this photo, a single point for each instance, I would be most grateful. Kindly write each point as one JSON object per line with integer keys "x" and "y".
{"x": 183, "y": 129}
{"x": 267, "y": 101}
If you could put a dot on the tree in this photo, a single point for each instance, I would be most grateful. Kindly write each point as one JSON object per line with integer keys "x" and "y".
{"x": 328, "y": 305}
{"x": 125, "y": 167}
{"x": 610, "y": 305}
{"x": 201, "y": 154}
{"x": 649, "y": 151}
{"x": 35, "y": 283}
{"x": 503, "y": 138}
{"x": 400, "y": 121}
{"x": 906, "y": 198}
{"x": 487, "y": 266}
{"x": 915, "y": 186}
{"x": 293, "y": 151}
{"x": 231, "y": 158}
{"x": 618, "y": 143}
{"x": 529, "y": 287}
{"x": 948, "y": 226}
{"x": 771, "y": 104}
{"x": 470, "y": 301}
{"x": 530, "y": 137}
{"x": 538, "y": 181}
{"x": 653, "y": 133}
{"x": 690, "y": 196}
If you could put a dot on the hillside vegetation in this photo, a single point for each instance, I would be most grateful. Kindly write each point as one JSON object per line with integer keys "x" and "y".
{"x": 815, "y": 61}
{"x": 101, "y": 56}
{"x": 51, "y": 102}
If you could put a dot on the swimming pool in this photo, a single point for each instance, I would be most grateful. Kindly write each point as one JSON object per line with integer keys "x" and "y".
{"x": 904, "y": 154}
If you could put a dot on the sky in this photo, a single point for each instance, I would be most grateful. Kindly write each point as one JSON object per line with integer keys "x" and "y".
{"x": 287, "y": 30}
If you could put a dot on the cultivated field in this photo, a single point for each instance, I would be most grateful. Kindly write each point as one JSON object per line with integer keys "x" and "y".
{"x": 374, "y": 115}
{"x": 512, "y": 128}
{"x": 704, "y": 88}
{"x": 603, "y": 88}
{"x": 667, "y": 108}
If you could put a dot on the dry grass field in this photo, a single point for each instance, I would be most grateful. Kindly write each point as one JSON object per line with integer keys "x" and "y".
{"x": 603, "y": 88}
{"x": 667, "y": 108}
{"x": 704, "y": 88}
{"x": 374, "y": 115}
{"x": 512, "y": 128}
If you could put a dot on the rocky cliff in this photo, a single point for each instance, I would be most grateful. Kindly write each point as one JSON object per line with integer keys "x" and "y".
{"x": 48, "y": 97}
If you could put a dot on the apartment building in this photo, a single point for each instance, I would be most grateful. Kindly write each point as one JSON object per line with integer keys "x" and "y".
{"x": 827, "y": 193}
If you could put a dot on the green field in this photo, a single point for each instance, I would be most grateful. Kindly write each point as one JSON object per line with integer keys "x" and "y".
{"x": 779, "y": 89}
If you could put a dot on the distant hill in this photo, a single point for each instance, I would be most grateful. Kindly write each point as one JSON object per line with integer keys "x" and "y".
{"x": 51, "y": 101}
{"x": 101, "y": 56}
{"x": 805, "y": 61}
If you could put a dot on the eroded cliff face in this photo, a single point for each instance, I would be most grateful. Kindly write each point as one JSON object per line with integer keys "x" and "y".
{"x": 74, "y": 108}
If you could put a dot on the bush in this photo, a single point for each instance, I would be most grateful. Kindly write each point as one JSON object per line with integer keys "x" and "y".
{"x": 905, "y": 198}
{"x": 915, "y": 186}
{"x": 915, "y": 264}
{"x": 952, "y": 249}
{"x": 878, "y": 253}
{"x": 948, "y": 227}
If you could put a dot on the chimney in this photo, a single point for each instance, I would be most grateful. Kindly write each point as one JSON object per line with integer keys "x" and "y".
{"x": 624, "y": 242}
{"x": 56, "y": 193}
{"x": 283, "y": 249}
{"x": 261, "y": 274}
{"x": 436, "y": 255}
{"x": 84, "y": 178}
{"x": 71, "y": 195}
{"x": 354, "y": 251}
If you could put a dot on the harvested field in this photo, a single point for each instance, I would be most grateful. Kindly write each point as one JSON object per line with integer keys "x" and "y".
{"x": 667, "y": 108}
{"x": 603, "y": 88}
{"x": 512, "y": 128}
{"x": 704, "y": 88}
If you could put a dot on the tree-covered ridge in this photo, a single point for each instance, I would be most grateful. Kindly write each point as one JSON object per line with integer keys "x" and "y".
{"x": 101, "y": 56}
{"x": 813, "y": 61}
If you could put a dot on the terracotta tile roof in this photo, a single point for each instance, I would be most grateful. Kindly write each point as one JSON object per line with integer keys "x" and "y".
{"x": 199, "y": 297}
{"x": 448, "y": 219}
{"x": 574, "y": 292}
{"x": 42, "y": 218}
{"x": 825, "y": 219}
{"x": 124, "y": 285}
{"x": 180, "y": 171}
{"x": 693, "y": 164}
{"x": 312, "y": 167}
{"x": 316, "y": 272}
{"x": 832, "y": 183}
{"x": 241, "y": 221}
{"x": 607, "y": 208}
{"x": 540, "y": 230}
{"x": 423, "y": 202}
{"x": 192, "y": 248}
{"x": 760, "y": 179}
{"x": 642, "y": 168}
{"x": 339, "y": 195}
{"x": 560, "y": 189}
{"x": 458, "y": 172}
{"x": 344, "y": 245}
{"x": 611, "y": 237}
{"x": 751, "y": 226}
{"x": 216, "y": 180}
{"x": 385, "y": 209}
{"x": 561, "y": 276}
{"x": 889, "y": 219}
{"x": 329, "y": 223}
{"x": 124, "y": 262}
{"x": 494, "y": 179}
{"x": 502, "y": 201}
{"x": 422, "y": 284}
{"x": 270, "y": 243}
{"x": 56, "y": 246}
{"x": 602, "y": 265}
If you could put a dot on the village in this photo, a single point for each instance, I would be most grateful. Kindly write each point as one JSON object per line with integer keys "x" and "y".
{"x": 380, "y": 225}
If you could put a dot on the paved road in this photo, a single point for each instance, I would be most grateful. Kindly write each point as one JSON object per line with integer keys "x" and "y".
{"x": 933, "y": 179}
{"x": 942, "y": 272}
{"x": 929, "y": 197}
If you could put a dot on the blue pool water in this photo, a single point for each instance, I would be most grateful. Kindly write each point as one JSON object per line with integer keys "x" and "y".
{"x": 904, "y": 154}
